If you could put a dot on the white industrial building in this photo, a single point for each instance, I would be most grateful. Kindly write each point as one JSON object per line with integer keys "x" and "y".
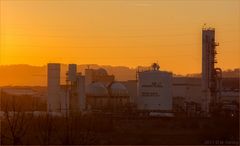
{"x": 154, "y": 91}
{"x": 187, "y": 94}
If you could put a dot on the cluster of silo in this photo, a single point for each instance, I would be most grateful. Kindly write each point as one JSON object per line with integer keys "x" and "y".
{"x": 69, "y": 97}
{"x": 76, "y": 89}
{"x": 103, "y": 92}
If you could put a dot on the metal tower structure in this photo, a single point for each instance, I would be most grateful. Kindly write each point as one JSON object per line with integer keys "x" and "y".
{"x": 211, "y": 76}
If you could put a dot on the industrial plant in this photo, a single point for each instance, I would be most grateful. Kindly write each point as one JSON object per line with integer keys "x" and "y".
{"x": 157, "y": 107}
{"x": 153, "y": 93}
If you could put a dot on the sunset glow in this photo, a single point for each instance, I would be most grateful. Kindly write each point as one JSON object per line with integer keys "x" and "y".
{"x": 118, "y": 33}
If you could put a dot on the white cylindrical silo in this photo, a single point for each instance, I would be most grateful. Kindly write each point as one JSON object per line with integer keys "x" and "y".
{"x": 154, "y": 91}
{"x": 53, "y": 86}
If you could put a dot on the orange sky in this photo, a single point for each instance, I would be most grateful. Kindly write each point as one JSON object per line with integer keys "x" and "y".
{"x": 118, "y": 32}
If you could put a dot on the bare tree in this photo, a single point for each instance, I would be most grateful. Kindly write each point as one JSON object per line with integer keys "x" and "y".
{"x": 45, "y": 128}
{"x": 16, "y": 123}
{"x": 77, "y": 130}
{"x": 69, "y": 133}
{"x": 86, "y": 131}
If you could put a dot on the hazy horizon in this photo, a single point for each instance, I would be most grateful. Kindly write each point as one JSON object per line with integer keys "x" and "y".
{"x": 28, "y": 75}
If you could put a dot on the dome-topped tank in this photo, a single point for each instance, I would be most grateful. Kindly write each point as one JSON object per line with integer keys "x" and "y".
{"x": 97, "y": 89}
{"x": 118, "y": 89}
{"x": 101, "y": 72}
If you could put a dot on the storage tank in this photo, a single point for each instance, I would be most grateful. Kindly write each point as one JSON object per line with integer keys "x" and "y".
{"x": 118, "y": 89}
{"x": 53, "y": 86}
{"x": 97, "y": 89}
{"x": 101, "y": 72}
{"x": 97, "y": 96}
{"x": 154, "y": 90}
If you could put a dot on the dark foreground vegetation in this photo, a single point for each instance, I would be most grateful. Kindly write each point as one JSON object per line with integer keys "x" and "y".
{"x": 20, "y": 125}
{"x": 22, "y": 128}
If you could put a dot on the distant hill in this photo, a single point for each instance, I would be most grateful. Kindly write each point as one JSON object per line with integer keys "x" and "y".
{"x": 27, "y": 75}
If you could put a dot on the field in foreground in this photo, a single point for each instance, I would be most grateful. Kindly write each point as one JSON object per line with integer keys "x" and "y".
{"x": 100, "y": 129}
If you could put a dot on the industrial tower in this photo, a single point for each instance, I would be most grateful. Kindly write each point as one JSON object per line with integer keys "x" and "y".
{"x": 211, "y": 76}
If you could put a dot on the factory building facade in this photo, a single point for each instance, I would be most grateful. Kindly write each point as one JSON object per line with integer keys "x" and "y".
{"x": 187, "y": 93}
